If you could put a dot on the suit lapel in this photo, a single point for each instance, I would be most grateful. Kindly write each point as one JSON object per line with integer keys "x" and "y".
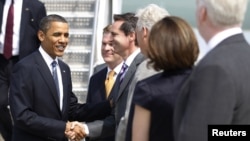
{"x": 65, "y": 82}
{"x": 99, "y": 82}
{"x": 115, "y": 89}
{"x": 129, "y": 74}
{"x": 46, "y": 74}
{"x": 102, "y": 84}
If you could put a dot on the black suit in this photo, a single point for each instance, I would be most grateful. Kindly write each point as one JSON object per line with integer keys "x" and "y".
{"x": 96, "y": 89}
{"x": 97, "y": 93}
{"x": 34, "y": 101}
{"x": 99, "y": 67}
{"x": 106, "y": 127}
{"x": 217, "y": 91}
{"x": 32, "y": 12}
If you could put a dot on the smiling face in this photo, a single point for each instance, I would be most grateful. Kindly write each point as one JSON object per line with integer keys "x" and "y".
{"x": 111, "y": 58}
{"x": 121, "y": 42}
{"x": 107, "y": 47}
{"x": 55, "y": 40}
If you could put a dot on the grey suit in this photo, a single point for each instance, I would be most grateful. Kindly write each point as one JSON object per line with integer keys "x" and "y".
{"x": 106, "y": 127}
{"x": 217, "y": 91}
{"x": 142, "y": 72}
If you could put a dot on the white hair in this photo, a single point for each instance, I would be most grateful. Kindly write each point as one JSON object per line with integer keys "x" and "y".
{"x": 225, "y": 12}
{"x": 149, "y": 15}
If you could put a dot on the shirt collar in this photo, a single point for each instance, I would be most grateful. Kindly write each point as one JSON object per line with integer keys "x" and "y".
{"x": 132, "y": 56}
{"x": 46, "y": 57}
{"x": 116, "y": 69}
{"x": 219, "y": 37}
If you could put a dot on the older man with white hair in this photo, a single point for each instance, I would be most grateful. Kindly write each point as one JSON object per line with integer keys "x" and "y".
{"x": 217, "y": 91}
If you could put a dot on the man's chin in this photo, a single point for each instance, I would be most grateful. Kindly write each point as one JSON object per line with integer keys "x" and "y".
{"x": 108, "y": 60}
{"x": 60, "y": 54}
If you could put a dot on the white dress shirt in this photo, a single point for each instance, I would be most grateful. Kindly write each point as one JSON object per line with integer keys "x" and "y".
{"x": 17, "y": 23}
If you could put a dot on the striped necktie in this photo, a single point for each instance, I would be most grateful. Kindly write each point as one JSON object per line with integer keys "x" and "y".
{"x": 123, "y": 71}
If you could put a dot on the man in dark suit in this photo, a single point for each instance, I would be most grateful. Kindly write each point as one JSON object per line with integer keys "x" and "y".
{"x": 217, "y": 91}
{"x": 125, "y": 44}
{"x": 27, "y": 14}
{"x": 113, "y": 62}
{"x": 41, "y": 97}
{"x": 147, "y": 17}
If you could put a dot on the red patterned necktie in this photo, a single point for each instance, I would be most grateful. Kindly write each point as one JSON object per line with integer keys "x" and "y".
{"x": 9, "y": 32}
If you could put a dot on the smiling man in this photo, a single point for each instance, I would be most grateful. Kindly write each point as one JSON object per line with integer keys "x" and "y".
{"x": 41, "y": 97}
{"x": 101, "y": 84}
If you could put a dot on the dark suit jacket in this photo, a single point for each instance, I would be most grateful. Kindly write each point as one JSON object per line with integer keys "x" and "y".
{"x": 217, "y": 91}
{"x": 106, "y": 127}
{"x": 97, "y": 93}
{"x": 34, "y": 102}
{"x": 96, "y": 89}
{"x": 32, "y": 12}
{"x": 99, "y": 67}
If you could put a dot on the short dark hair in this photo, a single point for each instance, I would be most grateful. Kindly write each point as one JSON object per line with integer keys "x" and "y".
{"x": 129, "y": 24}
{"x": 47, "y": 20}
{"x": 172, "y": 45}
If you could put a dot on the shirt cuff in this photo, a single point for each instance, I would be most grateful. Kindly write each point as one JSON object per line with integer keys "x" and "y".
{"x": 86, "y": 129}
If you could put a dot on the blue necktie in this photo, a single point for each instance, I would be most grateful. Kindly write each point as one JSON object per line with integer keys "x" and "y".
{"x": 123, "y": 71}
{"x": 54, "y": 74}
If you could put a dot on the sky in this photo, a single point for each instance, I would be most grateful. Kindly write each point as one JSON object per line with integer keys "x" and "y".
{"x": 182, "y": 8}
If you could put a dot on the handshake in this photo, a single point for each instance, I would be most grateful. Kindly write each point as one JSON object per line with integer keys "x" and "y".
{"x": 75, "y": 131}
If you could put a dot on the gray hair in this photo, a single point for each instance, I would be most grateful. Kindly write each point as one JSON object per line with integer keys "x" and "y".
{"x": 225, "y": 12}
{"x": 149, "y": 15}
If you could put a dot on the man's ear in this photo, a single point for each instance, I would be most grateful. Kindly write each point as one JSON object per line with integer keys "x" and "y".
{"x": 202, "y": 14}
{"x": 145, "y": 32}
{"x": 132, "y": 36}
{"x": 40, "y": 35}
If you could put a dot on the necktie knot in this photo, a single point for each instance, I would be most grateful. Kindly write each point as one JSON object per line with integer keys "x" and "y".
{"x": 111, "y": 75}
{"x": 54, "y": 63}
